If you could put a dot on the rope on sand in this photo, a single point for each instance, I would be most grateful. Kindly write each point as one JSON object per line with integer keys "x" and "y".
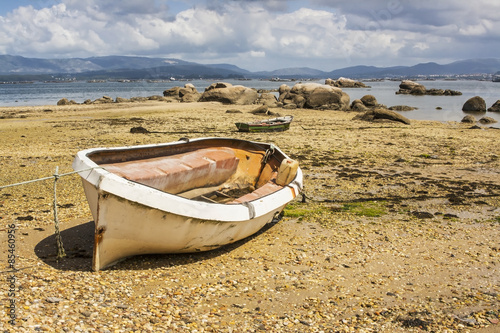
{"x": 56, "y": 176}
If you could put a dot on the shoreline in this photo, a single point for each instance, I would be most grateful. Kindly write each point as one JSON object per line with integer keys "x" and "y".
{"x": 399, "y": 232}
{"x": 441, "y": 108}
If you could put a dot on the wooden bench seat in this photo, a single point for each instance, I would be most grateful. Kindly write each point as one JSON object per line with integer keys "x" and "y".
{"x": 268, "y": 188}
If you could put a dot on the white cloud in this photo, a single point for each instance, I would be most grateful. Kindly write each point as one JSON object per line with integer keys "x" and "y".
{"x": 256, "y": 34}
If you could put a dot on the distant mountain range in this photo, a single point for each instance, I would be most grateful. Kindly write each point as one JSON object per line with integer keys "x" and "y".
{"x": 17, "y": 68}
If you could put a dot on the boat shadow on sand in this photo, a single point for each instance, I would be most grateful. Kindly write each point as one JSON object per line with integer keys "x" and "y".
{"x": 78, "y": 245}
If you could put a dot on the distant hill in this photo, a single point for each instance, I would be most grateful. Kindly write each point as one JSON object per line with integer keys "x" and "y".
{"x": 300, "y": 72}
{"x": 20, "y": 65}
{"x": 125, "y": 67}
{"x": 463, "y": 67}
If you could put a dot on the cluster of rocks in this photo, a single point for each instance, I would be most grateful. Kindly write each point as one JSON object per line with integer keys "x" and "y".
{"x": 477, "y": 104}
{"x": 308, "y": 95}
{"x": 366, "y": 103}
{"x": 313, "y": 96}
{"x": 301, "y": 95}
{"x": 470, "y": 119}
{"x": 328, "y": 96}
{"x": 186, "y": 94}
{"x": 107, "y": 99}
{"x": 382, "y": 115}
{"x": 414, "y": 88}
{"x": 222, "y": 92}
{"x": 495, "y": 107}
{"x": 375, "y": 112}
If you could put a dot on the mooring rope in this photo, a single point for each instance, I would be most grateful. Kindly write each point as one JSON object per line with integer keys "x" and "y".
{"x": 46, "y": 178}
{"x": 56, "y": 176}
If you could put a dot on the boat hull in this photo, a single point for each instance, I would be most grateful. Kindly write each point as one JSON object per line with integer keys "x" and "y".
{"x": 245, "y": 127}
{"x": 133, "y": 219}
{"x": 279, "y": 124}
{"x": 154, "y": 231}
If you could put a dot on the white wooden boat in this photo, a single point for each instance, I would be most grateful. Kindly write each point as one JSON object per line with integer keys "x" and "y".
{"x": 185, "y": 196}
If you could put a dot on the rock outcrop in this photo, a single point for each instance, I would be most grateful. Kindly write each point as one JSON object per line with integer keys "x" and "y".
{"x": 402, "y": 108}
{"x": 474, "y": 104}
{"x": 122, "y": 100}
{"x": 263, "y": 109}
{"x": 357, "y": 105}
{"x": 411, "y": 88}
{"x": 369, "y": 101}
{"x": 415, "y": 88}
{"x": 226, "y": 93}
{"x": 65, "y": 101}
{"x": 186, "y": 94}
{"x": 343, "y": 82}
{"x": 314, "y": 96}
{"x": 495, "y": 107}
{"x": 469, "y": 119}
{"x": 267, "y": 99}
{"x": 487, "y": 120}
{"x": 382, "y": 115}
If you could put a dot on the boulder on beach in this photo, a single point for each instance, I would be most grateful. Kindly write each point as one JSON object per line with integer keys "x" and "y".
{"x": 186, "y": 94}
{"x": 283, "y": 89}
{"x": 358, "y": 105}
{"x": 475, "y": 104}
{"x": 369, "y": 101}
{"x": 267, "y": 99}
{"x": 65, "y": 101}
{"x": 382, "y": 115}
{"x": 122, "y": 100}
{"x": 139, "y": 129}
{"x": 260, "y": 110}
{"x": 495, "y": 107}
{"x": 226, "y": 93}
{"x": 487, "y": 120}
{"x": 315, "y": 96}
{"x": 366, "y": 102}
{"x": 469, "y": 119}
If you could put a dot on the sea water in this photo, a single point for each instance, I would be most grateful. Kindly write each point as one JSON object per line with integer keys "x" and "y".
{"x": 440, "y": 108}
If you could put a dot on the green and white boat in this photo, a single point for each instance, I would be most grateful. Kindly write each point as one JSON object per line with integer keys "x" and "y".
{"x": 278, "y": 124}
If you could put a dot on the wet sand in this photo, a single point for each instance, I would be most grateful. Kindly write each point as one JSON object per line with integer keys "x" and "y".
{"x": 399, "y": 232}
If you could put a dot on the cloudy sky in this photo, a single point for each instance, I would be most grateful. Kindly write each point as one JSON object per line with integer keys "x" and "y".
{"x": 255, "y": 34}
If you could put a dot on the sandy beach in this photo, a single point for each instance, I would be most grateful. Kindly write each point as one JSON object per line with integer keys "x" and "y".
{"x": 399, "y": 231}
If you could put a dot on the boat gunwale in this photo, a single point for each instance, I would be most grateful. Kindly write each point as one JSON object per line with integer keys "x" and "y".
{"x": 107, "y": 181}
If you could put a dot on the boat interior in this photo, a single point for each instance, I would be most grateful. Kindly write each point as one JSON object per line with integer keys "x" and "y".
{"x": 223, "y": 174}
